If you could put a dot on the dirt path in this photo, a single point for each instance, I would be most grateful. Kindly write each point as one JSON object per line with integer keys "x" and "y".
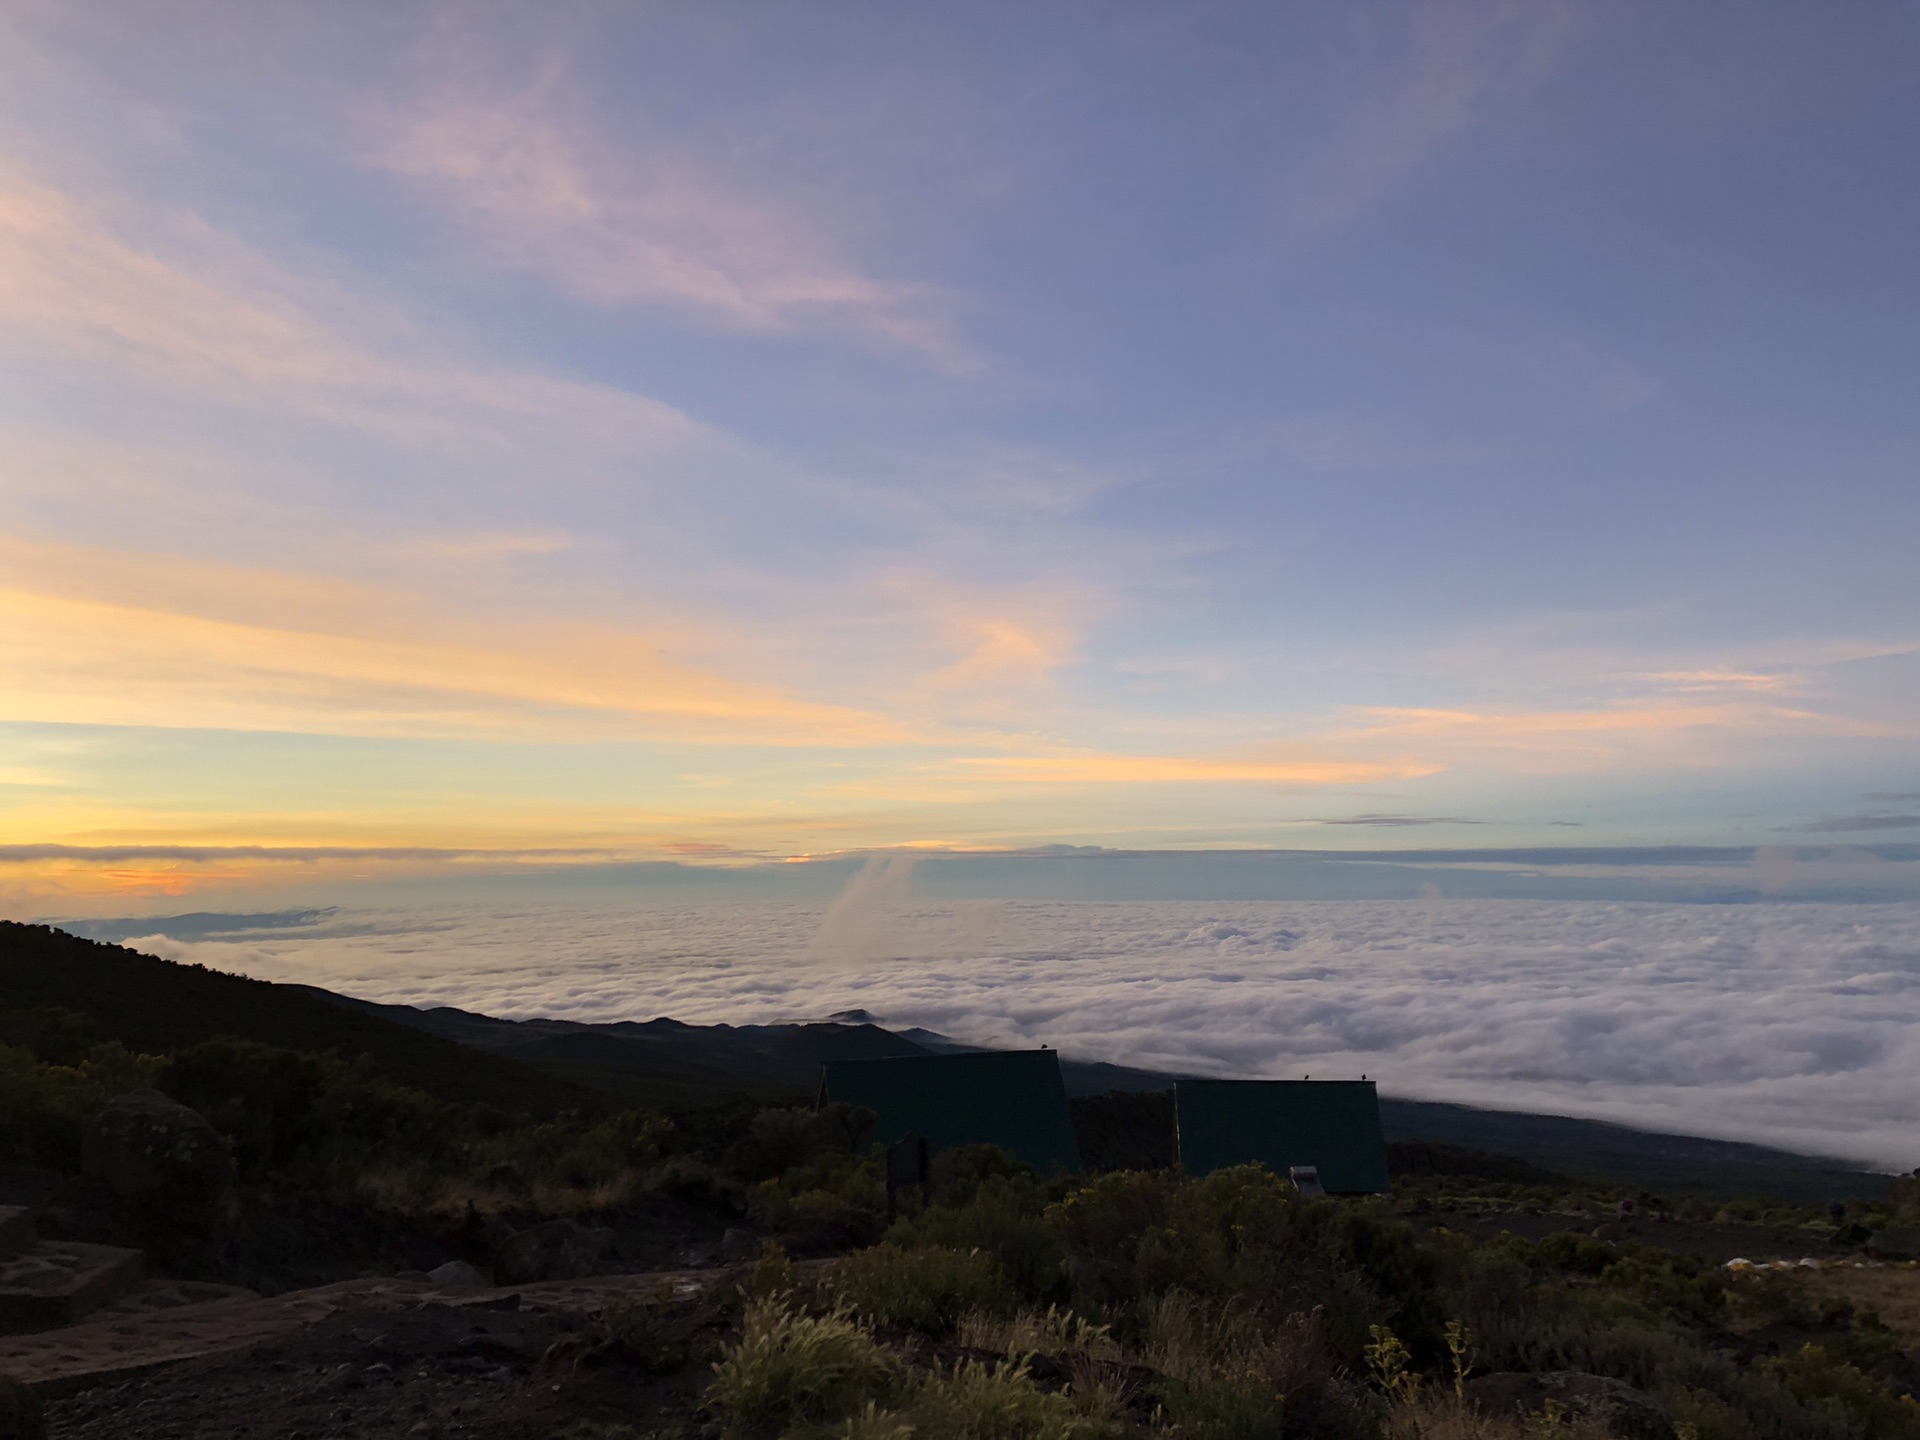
{"x": 60, "y": 1362}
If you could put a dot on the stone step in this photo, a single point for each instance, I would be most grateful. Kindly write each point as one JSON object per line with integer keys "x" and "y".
{"x": 51, "y": 1283}
{"x": 16, "y": 1230}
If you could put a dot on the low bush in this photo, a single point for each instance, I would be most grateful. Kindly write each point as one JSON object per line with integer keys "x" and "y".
{"x": 974, "y": 1401}
{"x": 1226, "y": 1407}
{"x": 45, "y": 1109}
{"x": 986, "y": 1200}
{"x": 779, "y": 1139}
{"x": 1820, "y": 1380}
{"x": 792, "y": 1368}
{"x": 927, "y": 1289}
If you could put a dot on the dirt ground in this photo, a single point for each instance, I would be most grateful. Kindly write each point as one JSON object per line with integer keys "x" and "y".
{"x": 1714, "y": 1243}
{"x": 508, "y": 1366}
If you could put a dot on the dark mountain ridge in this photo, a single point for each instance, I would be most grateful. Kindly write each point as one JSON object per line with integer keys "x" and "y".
{"x": 95, "y": 991}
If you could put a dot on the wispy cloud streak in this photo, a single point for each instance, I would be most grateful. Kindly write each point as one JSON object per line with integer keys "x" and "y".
{"x": 647, "y": 226}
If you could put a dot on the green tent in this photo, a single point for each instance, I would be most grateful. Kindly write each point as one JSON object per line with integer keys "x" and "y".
{"x": 1010, "y": 1098}
{"x": 1333, "y": 1125}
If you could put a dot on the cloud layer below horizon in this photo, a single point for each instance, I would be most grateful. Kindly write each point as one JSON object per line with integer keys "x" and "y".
{"x": 1796, "y": 1025}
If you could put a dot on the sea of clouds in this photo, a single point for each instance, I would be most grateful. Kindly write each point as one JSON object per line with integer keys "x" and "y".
{"x": 1795, "y": 1024}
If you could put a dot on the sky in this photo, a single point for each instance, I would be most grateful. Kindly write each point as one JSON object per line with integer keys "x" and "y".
{"x": 452, "y": 438}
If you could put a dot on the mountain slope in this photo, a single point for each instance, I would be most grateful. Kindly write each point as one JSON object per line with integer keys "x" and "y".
{"x": 155, "y": 1005}
{"x": 661, "y": 1063}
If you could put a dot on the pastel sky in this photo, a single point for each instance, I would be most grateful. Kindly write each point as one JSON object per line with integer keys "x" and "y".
{"x": 584, "y": 432}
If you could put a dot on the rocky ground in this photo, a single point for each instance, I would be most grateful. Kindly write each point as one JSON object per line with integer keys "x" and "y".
{"x": 403, "y": 1361}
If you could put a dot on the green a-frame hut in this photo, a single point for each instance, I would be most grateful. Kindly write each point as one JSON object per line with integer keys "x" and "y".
{"x": 1011, "y": 1098}
{"x": 1331, "y": 1125}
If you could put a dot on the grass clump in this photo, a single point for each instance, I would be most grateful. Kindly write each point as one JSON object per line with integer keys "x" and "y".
{"x": 974, "y": 1401}
{"x": 790, "y": 1368}
{"x": 926, "y": 1290}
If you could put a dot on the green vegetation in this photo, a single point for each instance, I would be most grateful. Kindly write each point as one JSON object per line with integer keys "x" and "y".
{"x": 789, "y": 1367}
{"x": 925, "y": 1289}
{"x": 1149, "y": 1304}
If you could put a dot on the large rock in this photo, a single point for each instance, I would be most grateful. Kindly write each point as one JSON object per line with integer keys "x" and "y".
{"x": 1628, "y": 1414}
{"x": 557, "y": 1250}
{"x": 56, "y": 1282}
{"x": 457, "y": 1275}
{"x": 158, "y": 1152}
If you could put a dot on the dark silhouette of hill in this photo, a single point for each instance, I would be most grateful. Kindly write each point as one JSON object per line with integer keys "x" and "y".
{"x": 94, "y": 992}
{"x": 662, "y": 1064}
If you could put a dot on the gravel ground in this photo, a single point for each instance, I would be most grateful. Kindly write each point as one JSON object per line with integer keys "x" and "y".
{"x": 430, "y": 1370}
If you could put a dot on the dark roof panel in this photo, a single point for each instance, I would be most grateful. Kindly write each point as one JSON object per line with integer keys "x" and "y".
{"x": 1010, "y": 1098}
{"x": 1333, "y": 1125}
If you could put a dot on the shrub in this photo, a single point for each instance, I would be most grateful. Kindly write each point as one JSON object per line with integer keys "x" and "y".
{"x": 790, "y": 1368}
{"x": 288, "y": 1110}
{"x": 1001, "y": 1402}
{"x": 927, "y": 1290}
{"x": 1238, "y": 1236}
{"x": 1054, "y": 1332}
{"x": 773, "y": 1273}
{"x": 777, "y": 1140}
{"x": 960, "y": 1171}
{"x": 991, "y": 1202}
{"x": 1229, "y": 1371}
{"x": 45, "y": 1110}
{"x": 1388, "y": 1259}
{"x": 1821, "y": 1381}
{"x": 1238, "y": 1408}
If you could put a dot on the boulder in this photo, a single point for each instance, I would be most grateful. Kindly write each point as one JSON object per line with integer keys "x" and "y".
{"x": 150, "y": 1149}
{"x": 457, "y": 1275}
{"x": 557, "y": 1250}
{"x": 1628, "y": 1414}
{"x": 21, "y": 1415}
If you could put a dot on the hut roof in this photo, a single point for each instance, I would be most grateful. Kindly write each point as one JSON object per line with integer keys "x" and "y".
{"x": 1010, "y": 1098}
{"x": 1333, "y": 1125}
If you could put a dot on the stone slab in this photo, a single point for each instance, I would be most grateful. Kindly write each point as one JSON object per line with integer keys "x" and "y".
{"x": 152, "y": 1295}
{"x": 55, "y": 1283}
